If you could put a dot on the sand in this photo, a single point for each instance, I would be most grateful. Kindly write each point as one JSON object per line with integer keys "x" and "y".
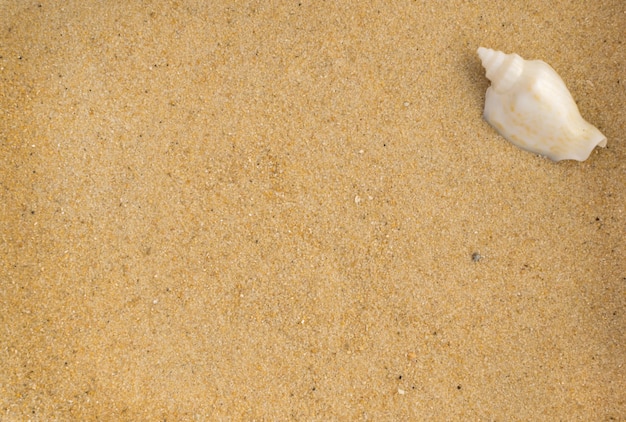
{"x": 295, "y": 211}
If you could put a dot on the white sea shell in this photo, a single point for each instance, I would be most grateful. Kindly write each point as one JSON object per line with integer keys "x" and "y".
{"x": 529, "y": 104}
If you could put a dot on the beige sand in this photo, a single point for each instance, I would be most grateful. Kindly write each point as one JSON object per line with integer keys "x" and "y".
{"x": 296, "y": 212}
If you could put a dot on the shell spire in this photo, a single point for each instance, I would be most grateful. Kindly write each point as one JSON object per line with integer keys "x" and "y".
{"x": 503, "y": 70}
{"x": 529, "y": 105}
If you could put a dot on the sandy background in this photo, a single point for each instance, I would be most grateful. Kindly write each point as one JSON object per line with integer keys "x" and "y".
{"x": 294, "y": 211}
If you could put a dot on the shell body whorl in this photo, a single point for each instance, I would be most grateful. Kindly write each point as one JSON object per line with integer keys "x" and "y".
{"x": 529, "y": 105}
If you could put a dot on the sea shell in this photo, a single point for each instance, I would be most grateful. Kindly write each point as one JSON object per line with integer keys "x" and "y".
{"x": 529, "y": 105}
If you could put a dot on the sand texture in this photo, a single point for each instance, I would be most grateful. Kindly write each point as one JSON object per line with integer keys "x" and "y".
{"x": 294, "y": 211}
